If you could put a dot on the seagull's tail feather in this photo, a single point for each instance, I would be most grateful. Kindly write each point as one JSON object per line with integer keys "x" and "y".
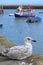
{"x": 2, "y": 55}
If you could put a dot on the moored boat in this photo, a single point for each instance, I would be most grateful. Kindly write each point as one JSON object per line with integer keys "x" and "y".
{"x": 24, "y": 15}
{"x": 1, "y": 12}
{"x": 21, "y": 12}
{"x": 34, "y": 19}
{"x": 21, "y": 15}
{"x": 1, "y": 9}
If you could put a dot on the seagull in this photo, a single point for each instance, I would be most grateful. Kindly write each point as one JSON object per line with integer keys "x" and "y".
{"x": 20, "y": 51}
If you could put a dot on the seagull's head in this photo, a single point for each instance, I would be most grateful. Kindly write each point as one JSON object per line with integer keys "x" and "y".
{"x": 29, "y": 40}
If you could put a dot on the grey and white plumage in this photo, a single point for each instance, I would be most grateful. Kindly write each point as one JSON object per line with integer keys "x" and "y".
{"x": 20, "y": 52}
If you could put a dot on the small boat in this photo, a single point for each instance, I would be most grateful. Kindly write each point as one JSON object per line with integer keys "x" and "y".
{"x": 1, "y": 10}
{"x": 24, "y": 15}
{"x": 19, "y": 15}
{"x": 11, "y": 14}
{"x": 34, "y": 19}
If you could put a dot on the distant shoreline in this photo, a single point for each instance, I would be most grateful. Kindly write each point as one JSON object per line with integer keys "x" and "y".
{"x": 16, "y": 6}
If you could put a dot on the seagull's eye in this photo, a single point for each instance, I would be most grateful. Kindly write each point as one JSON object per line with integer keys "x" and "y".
{"x": 28, "y": 38}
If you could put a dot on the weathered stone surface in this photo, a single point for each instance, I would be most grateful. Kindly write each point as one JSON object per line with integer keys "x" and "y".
{"x": 5, "y": 42}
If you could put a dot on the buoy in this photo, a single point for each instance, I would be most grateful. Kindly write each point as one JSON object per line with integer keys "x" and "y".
{"x": 1, "y": 25}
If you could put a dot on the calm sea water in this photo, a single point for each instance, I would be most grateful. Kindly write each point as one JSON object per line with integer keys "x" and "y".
{"x": 16, "y": 29}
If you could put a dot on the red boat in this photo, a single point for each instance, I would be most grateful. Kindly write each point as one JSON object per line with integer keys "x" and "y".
{"x": 20, "y": 12}
{"x": 1, "y": 10}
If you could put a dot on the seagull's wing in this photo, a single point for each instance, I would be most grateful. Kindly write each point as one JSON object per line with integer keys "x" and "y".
{"x": 17, "y": 52}
{"x": 19, "y": 48}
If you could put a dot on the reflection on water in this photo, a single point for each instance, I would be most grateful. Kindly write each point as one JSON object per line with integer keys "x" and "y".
{"x": 16, "y": 29}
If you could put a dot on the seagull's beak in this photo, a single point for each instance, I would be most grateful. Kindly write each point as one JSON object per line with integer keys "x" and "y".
{"x": 34, "y": 40}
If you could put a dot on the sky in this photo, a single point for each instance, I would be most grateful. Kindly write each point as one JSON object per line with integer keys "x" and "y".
{"x": 21, "y": 2}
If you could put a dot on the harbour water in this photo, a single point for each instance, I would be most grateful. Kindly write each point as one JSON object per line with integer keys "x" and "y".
{"x": 16, "y": 29}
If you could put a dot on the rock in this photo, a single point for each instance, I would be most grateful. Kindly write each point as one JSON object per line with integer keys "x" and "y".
{"x": 5, "y": 42}
{"x": 39, "y": 63}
